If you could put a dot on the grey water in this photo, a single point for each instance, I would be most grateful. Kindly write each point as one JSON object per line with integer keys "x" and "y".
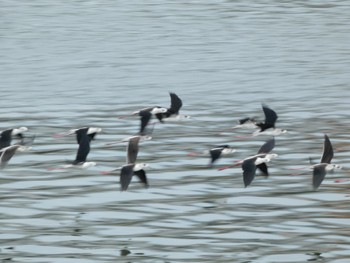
{"x": 68, "y": 64}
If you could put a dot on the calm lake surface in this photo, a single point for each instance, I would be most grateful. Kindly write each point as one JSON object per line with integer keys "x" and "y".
{"x": 68, "y": 64}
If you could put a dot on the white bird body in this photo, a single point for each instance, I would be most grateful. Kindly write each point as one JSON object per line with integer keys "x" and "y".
{"x": 270, "y": 132}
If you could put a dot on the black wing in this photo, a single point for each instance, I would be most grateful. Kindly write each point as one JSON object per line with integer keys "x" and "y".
{"x": 160, "y": 116}
{"x": 249, "y": 169}
{"x": 263, "y": 168}
{"x": 267, "y": 146}
{"x": 126, "y": 176}
{"x": 175, "y": 104}
{"x": 215, "y": 154}
{"x": 141, "y": 174}
{"x": 83, "y": 150}
{"x": 270, "y": 118}
{"x": 91, "y": 136}
{"x": 327, "y": 150}
{"x": 133, "y": 149}
{"x": 145, "y": 118}
{"x": 319, "y": 174}
{"x": 81, "y": 133}
{"x": 6, "y": 138}
{"x": 7, "y": 154}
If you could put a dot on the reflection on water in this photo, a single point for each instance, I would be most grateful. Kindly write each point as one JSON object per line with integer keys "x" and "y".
{"x": 68, "y": 65}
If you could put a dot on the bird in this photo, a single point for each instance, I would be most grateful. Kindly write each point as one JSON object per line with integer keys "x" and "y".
{"x": 251, "y": 164}
{"x": 131, "y": 167}
{"x": 268, "y": 126}
{"x": 145, "y": 117}
{"x": 320, "y": 169}
{"x": 7, "y": 135}
{"x": 84, "y": 136}
{"x": 218, "y": 151}
{"x": 173, "y": 111}
{"x": 8, "y": 152}
{"x": 215, "y": 153}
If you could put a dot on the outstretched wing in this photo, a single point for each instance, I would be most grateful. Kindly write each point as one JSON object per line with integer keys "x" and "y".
{"x": 126, "y": 176}
{"x": 270, "y": 118}
{"x": 327, "y": 151}
{"x": 249, "y": 170}
{"x": 318, "y": 175}
{"x": 132, "y": 150}
{"x": 263, "y": 168}
{"x": 175, "y": 103}
{"x": 267, "y": 146}
{"x": 145, "y": 118}
{"x": 141, "y": 174}
{"x": 7, "y": 153}
{"x": 215, "y": 154}
{"x": 83, "y": 150}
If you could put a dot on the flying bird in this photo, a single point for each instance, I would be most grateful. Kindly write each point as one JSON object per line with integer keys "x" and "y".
{"x": 320, "y": 170}
{"x": 174, "y": 110}
{"x": 7, "y": 135}
{"x": 268, "y": 126}
{"x": 83, "y": 136}
{"x": 218, "y": 151}
{"x": 131, "y": 167}
{"x": 214, "y": 153}
{"x": 251, "y": 164}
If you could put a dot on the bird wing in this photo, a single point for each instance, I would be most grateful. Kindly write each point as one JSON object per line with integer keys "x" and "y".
{"x": 5, "y": 139}
{"x": 318, "y": 175}
{"x": 126, "y": 176}
{"x": 7, "y": 153}
{"x": 145, "y": 118}
{"x": 26, "y": 140}
{"x": 270, "y": 118}
{"x": 263, "y": 168}
{"x": 160, "y": 116}
{"x": 175, "y": 104}
{"x": 267, "y": 146}
{"x": 215, "y": 154}
{"x": 132, "y": 150}
{"x": 91, "y": 136}
{"x": 327, "y": 151}
{"x": 249, "y": 169}
{"x": 141, "y": 174}
{"x": 83, "y": 150}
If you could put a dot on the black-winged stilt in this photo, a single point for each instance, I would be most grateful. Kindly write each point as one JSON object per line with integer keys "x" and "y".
{"x": 268, "y": 126}
{"x": 131, "y": 167}
{"x": 84, "y": 136}
{"x": 215, "y": 153}
{"x": 258, "y": 161}
{"x": 7, "y": 135}
{"x": 173, "y": 112}
{"x": 320, "y": 170}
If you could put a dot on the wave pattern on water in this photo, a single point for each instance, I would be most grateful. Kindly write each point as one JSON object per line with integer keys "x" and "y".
{"x": 87, "y": 63}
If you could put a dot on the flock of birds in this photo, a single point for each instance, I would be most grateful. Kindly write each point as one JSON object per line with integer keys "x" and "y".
{"x": 249, "y": 165}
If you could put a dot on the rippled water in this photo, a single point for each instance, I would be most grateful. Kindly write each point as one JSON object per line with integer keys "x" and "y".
{"x": 84, "y": 63}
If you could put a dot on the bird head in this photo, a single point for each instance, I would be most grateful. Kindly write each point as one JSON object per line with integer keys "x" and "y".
{"x": 140, "y": 166}
{"x": 19, "y": 130}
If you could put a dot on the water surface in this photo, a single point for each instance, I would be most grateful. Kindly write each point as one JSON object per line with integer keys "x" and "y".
{"x": 84, "y": 63}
